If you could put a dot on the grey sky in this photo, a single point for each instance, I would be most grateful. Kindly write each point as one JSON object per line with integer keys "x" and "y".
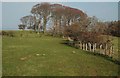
{"x": 13, "y": 11}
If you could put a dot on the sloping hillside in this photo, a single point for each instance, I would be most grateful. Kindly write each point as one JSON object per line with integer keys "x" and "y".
{"x": 47, "y": 56}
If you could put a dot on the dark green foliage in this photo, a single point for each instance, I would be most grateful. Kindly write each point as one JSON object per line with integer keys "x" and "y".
{"x": 22, "y": 27}
{"x": 8, "y": 33}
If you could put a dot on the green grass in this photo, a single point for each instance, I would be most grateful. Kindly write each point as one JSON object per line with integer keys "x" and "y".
{"x": 115, "y": 43}
{"x": 59, "y": 59}
{"x": 0, "y": 56}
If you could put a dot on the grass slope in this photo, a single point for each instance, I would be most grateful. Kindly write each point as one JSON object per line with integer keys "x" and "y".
{"x": 0, "y": 56}
{"x": 54, "y": 59}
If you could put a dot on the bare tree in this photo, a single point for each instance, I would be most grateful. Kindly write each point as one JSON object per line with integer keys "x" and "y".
{"x": 28, "y": 21}
{"x": 65, "y": 16}
{"x": 57, "y": 17}
{"x": 42, "y": 10}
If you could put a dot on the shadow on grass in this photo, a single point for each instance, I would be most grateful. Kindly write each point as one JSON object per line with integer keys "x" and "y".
{"x": 96, "y": 54}
{"x": 106, "y": 57}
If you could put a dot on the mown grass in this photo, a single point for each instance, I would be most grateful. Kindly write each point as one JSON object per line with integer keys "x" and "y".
{"x": 54, "y": 59}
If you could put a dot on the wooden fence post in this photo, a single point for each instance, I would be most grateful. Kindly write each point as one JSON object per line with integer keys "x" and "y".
{"x": 83, "y": 46}
{"x": 93, "y": 47}
{"x": 89, "y": 46}
{"x": 111, "y": 51}
{"x": 106, "y": 47}
{"x": 86, "y": 47}
{"x": 101, "y": 49}
{"x": 80, "y": 45}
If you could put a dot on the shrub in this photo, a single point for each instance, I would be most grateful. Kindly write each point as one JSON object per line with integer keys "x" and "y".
{"x": 7, "y": 33}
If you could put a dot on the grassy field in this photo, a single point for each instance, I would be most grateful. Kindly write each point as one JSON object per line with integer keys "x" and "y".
{"x": 115, "y": 42}
{"x": 36, "y": 55}
{"x": 0, "y": 56}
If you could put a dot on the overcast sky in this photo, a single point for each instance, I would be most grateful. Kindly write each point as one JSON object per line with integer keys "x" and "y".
{"x": 13, "y": 11}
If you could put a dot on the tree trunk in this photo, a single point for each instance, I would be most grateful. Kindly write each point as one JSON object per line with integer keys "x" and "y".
{"x": 44, "y": 24}
{"x": 34, "y": 22}
{"x": 38, "y": 28}
{"x": 60, "y": 26}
